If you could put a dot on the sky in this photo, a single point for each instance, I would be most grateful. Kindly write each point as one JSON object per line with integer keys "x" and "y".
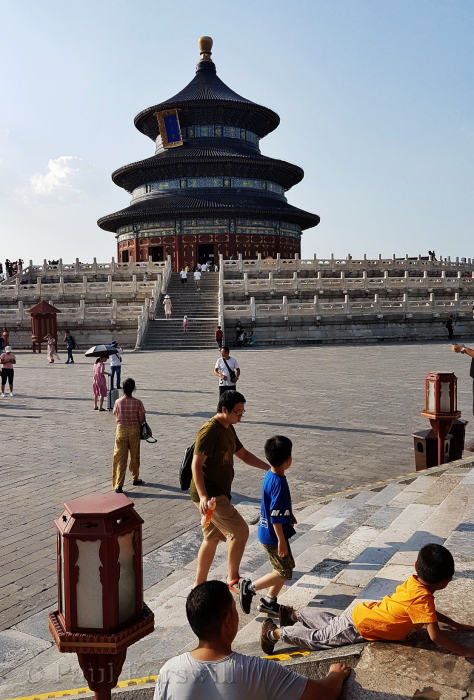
{"x": 375, "y": 99}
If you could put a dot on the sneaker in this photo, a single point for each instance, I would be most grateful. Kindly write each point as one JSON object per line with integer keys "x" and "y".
{"x": 119, "y": 489}
{"x": 245, "y": 594}
{"x": 138, "y": 482}
{"x": 286, "y": 616}
{"x": 2, "y": 396}
{"x": 11, "y": 393}
{"x": 266, "y": 643}
{"x": 269, "y": 608}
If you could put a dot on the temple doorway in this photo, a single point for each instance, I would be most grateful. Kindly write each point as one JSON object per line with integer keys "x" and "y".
{"x": 124, "y": 255}
{"x": 156, "y": 253}
{"x": 205, "y": 253}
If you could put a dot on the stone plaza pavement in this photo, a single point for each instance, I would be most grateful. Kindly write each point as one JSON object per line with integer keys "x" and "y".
{"x": 350, "y": 412}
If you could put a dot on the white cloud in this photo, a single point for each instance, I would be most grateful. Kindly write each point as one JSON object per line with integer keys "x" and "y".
{"x": 59, "y": 177}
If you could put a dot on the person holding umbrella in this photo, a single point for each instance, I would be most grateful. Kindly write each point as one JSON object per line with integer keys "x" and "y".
{"x": 99, "y": 383}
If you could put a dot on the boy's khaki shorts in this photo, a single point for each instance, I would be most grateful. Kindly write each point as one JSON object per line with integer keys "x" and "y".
{"x": 283, "y": 566}
{"x": 226, "y": 522}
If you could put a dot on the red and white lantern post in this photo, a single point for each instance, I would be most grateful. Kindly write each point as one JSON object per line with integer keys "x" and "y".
{"x": 100, "y": 586}
{"x": 441, "y": 405}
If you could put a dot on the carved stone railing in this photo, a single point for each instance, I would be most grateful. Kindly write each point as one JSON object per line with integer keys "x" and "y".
{"x": 278, "y": 285}
{"x": 379, "y": 307}
{"x": 295, "y": 264}
{"x": 86, "y": 289}
{"x": 79, "y": 269}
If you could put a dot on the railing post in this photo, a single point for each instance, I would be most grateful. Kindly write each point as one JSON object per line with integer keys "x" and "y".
{"x": 294, "y": 284}
{"x": 20, "y": 312}
{"x": 77, "y": 266}
{"x": 94, "y": 265}
{"x": 278, "y": 262}
{"x": 82, "y": 310}
{"x": 252, "y": 309}
{"x": 109, "y": 284}
{"x": 319, "y": 278}
{"x": 405, "y": 302}
{"x": 259, "y": 261}
{"x": 456, "y": 301}
{"x": 61, "y": 286}
{"x": 342, "y": 274}
{"x": 270, "y": 282}
{"x": 285, "y": 308}
{"x": 240, "y": 266}
{"x": 364, "y": 275}
{"x": 246, "y": 283}
{"x": 38, "y": 286}
{"x": 316, "y": 304}
{"x": 220, "y": 295}
{"x": 347, "y": 305}
{"x": 112, "y": 265}
{"x": 376, "y": 302}
{"x": 432, "y": 300}
{"x": 114, "y": 309}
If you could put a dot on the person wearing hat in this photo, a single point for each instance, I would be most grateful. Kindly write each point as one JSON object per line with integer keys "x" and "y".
{"x": 7, "y": 360}
{"x": 167, "y": 305}
{"x": 115, "y": 364}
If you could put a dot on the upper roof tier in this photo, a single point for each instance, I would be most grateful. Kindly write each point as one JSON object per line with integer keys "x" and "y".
{"x": 205, "y": 99}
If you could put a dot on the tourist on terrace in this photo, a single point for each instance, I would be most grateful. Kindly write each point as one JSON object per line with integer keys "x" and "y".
{"x": 167, "y": 305}
{"x": 197, "y": 280}
{"x": 99, "y": 383}
{"x": 7, "y": 360}
{"x": 212, "y": 670}
{"x": 184, "y": 276}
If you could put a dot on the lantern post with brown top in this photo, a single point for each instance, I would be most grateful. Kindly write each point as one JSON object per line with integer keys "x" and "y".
{"x": 441, "y": 405}
{"x": 100, "y": 586}
{"x": 43, "y": 322}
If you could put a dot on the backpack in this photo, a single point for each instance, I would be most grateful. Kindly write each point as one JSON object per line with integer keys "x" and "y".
{"x": 185, "y": 471}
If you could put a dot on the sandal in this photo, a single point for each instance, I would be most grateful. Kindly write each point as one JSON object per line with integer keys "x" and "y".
{"x": 234, "y": 585}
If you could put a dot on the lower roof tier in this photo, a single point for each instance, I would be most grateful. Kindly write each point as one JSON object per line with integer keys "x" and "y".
{"x": 208, "y": 204}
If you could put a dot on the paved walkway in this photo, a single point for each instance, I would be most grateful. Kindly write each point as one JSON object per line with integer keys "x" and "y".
{"x": 350, "y": 412}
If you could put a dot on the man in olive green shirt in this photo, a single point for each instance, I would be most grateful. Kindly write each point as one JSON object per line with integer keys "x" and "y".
{"x": 213, "y": 473}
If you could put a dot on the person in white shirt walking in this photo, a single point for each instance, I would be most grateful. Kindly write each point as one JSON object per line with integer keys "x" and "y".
{"x": 197, "y": 279}
{"x": 228, "y": 371}
{"x": 184, "y": 276}
{"x": 115, "y": 364}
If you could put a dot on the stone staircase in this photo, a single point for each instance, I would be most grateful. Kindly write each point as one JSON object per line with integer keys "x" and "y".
{"x": 352, "y": 546}
{"x": 200, "y": 308}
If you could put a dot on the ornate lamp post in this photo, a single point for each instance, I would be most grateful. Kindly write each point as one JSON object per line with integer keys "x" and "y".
{"x": 100, "y": 586}
{"x": 441, "y": 405}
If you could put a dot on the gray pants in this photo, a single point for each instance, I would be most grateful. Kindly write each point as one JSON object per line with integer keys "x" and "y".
{"x": 318, "y": 629}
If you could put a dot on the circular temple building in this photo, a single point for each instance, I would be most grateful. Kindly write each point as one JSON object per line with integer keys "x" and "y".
{"x": 207, "y": 190}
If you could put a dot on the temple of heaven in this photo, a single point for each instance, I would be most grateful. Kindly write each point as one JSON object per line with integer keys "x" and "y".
{"x": 208, "y": 189}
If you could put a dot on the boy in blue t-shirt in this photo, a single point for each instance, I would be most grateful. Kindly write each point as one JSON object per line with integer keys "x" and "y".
{"x": 274, "y": 530}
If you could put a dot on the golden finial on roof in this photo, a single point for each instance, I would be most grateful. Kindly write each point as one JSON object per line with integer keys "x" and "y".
{"x": 205, "y": 48}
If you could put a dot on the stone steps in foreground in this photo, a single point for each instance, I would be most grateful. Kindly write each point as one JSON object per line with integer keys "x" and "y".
{"x": 349, "y": 547}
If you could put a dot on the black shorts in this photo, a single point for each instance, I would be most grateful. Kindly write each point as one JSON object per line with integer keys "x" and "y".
{"x": 7, "y": 373}
{"x": 226, "y": 388}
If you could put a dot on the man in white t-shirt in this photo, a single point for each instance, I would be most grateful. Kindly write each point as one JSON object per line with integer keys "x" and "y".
{"x": 228, "y": 371}
{"x": 115, "y": 364}
{"x": 184, "y": 276}
{"x": 214, "y": 672}
{"x": 197, "y": 279}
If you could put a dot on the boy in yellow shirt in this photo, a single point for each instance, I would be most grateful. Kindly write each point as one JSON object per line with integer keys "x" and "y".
{"x": 391, "y": 619}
